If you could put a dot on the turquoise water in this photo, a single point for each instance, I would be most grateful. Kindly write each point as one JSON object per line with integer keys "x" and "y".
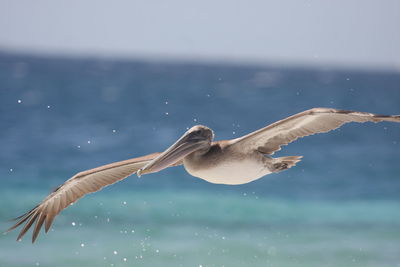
{"x": 199, "y": 228}
{"x": 339, "y": 207}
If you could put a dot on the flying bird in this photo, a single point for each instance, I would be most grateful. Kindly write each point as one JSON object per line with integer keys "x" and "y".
{"x": 232, "y": 162}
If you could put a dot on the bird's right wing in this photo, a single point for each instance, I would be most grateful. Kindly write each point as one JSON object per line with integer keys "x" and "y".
{"x": 76, "y": 187}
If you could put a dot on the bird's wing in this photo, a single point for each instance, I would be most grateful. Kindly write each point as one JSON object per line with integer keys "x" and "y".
{"x": 317, "y": 120}
{"x": 76, "y": 187}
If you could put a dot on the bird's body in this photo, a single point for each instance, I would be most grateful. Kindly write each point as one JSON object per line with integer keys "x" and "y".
{"x": 224, "y": 165}
{"x": 231, "y": 162}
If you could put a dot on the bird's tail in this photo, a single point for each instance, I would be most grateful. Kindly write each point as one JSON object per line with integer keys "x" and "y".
{"x": 284, "y": 163}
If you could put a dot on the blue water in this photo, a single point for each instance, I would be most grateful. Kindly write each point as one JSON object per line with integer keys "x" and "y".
{"x": 339, "y": 207}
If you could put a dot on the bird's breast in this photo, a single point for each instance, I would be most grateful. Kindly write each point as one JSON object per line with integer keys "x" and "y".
{"x": 227, "y": 170}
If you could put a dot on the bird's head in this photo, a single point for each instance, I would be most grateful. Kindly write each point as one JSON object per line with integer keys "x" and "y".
{"x": 197, "y": 138}
{"x": 200, "y": 132}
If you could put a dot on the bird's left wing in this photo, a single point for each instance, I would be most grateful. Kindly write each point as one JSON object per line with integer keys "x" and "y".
{"x": 317, "y": 120}
{"x": 76, "y": 187}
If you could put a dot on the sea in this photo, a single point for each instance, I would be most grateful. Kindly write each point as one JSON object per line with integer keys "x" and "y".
{"x": 340, "y": 206}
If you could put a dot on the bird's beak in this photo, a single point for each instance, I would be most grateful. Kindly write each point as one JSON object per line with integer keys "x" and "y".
{"x": 183, "y": 147}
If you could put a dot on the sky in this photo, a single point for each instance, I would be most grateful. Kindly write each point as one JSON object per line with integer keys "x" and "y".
{"x": 349, "y": 33}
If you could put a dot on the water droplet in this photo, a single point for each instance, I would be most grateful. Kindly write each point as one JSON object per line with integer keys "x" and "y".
{"x": 115, "y": 252}
{"x": 114, "y": 131}
{"x": 19, "y": 101}
{"x": 88, "y": 142}
{"x": 82, "y": 245}
{"x": 11, "y": 170}
{"x": 48, "y": 106}
{"x": 124, "y": 259}
{"x": 166, "y": 113}
{"x": 73, "y": 223}
{"x": 124, "y": 202}
{"x": 166, "y": 102}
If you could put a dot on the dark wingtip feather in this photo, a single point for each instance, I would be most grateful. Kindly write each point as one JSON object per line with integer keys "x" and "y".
{"x": 48, "y": 222}
{"x": 27, "y": 225}
{"x": 38, "y": 226}
{"x": 21, "y": 219}
{"x": 23, "y": 215}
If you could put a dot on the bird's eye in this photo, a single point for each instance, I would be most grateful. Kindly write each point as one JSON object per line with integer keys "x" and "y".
{"x": 197, "y": 132}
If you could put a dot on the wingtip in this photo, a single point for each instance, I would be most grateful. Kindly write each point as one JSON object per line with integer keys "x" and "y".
{"x": 19, "y": 238}
{"x": 5, "y": 232}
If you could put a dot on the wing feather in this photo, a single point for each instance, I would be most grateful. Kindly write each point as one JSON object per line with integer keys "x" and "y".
{"x": 73, "y": 189}
{"x": 317, "y": 120}
{"x": 38, "y": 226}
{"x": 49, "y": 219}
{"x": 28, "y": 225}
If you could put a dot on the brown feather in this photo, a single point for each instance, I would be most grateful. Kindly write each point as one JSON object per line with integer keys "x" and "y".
{"x": 27, "y": 226}
{"x": 49, "y": 220}
{"x": 38, "y": 226}
{"x": 24, "y": 217}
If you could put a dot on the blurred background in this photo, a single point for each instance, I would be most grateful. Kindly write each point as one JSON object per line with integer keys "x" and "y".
{"x": 87, "y": 83}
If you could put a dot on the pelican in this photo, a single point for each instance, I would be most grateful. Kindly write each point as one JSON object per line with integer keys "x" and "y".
{"x": 231, "y": 162}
